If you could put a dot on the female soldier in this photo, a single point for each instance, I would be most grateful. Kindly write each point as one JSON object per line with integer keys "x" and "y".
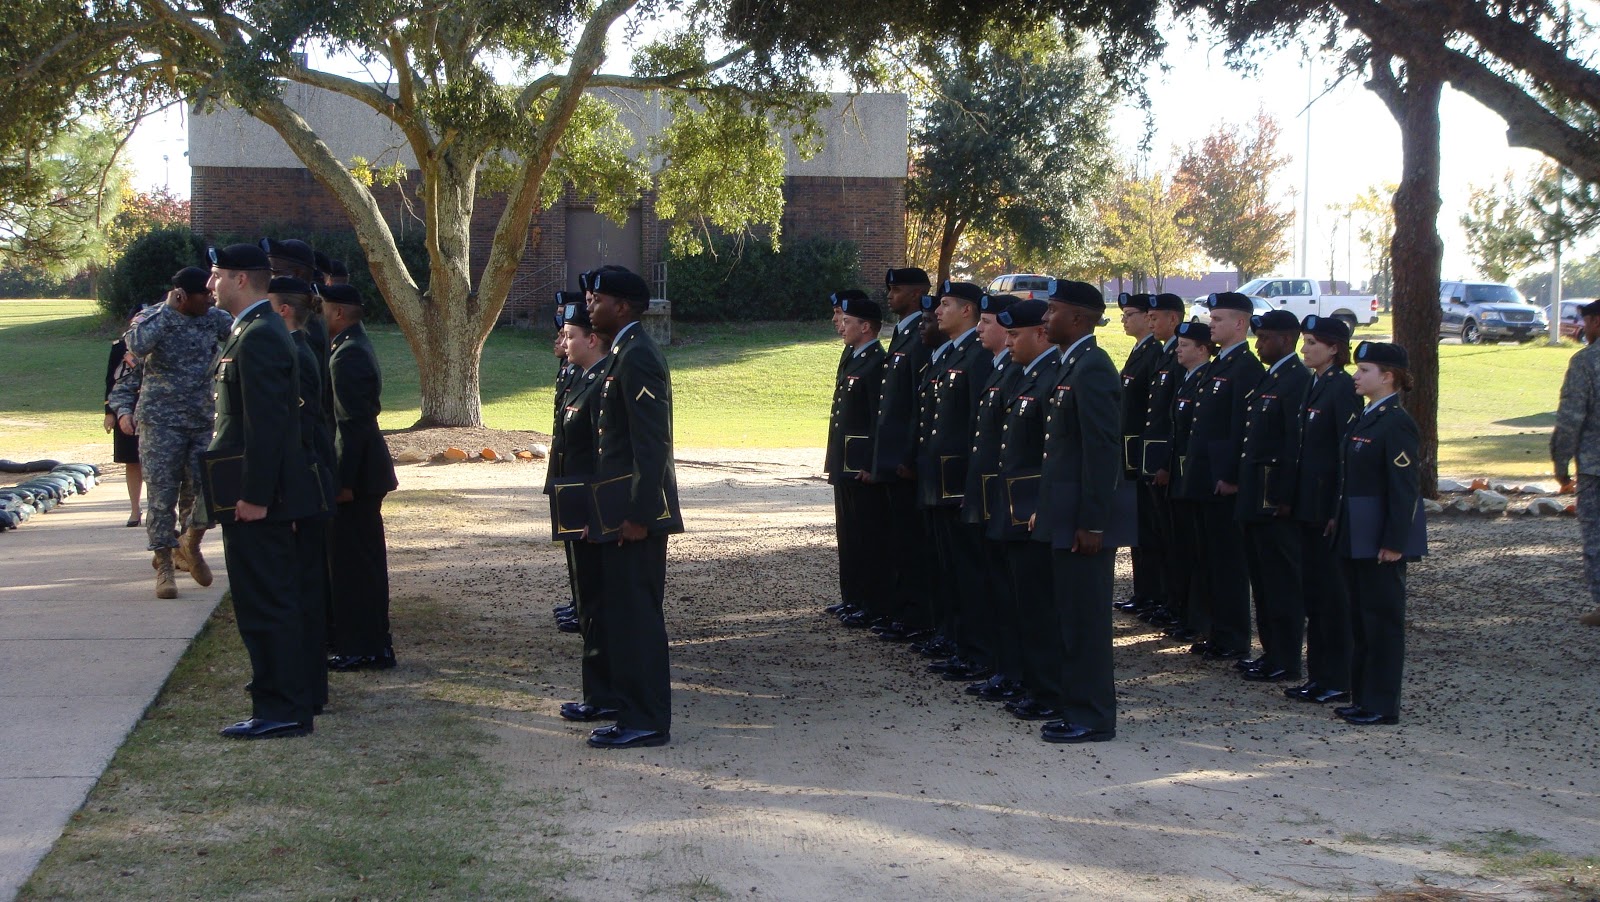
{"x": 1331, "y": 406}
{"x": 1193, "y": 350}
{"x": 1379, "y": 527}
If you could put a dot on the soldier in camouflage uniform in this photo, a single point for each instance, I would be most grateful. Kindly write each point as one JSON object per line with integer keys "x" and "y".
{"x": 1577, "y": 435}
{"x": 175, "y": 342}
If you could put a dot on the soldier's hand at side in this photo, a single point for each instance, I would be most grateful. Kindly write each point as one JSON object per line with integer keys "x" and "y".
{"x": 111, "y": 421}
{"x": 1284, "y": 511}
{"x": 1033, "y": 519}
{"x": 345, "y": 496}
{"x": 1226, "y": 488}
{"x": 865, "y": 477}
{"x": 1329, "y": 530}
{"x": 1386, "y": 556}
{"x": 632, "y": 532}
{"x": 125, "y": 423}
{"x": 1161, "y": 477}
{"x": 1086, "y": 542}
{"x": 905, "y": 472}
{"x": 246, "y": 512}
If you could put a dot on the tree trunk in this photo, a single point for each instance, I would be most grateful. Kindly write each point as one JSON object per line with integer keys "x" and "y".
{"x": 1418, "y": 255}
{"x": 448, "y": 347}
{"x": 949, "y": 237}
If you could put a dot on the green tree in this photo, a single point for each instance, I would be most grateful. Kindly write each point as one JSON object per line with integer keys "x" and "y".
{"x": 1228, "y": 176}
{"x": 1372, "y": 217}
{"x": 1013, "y": 142}
{"x": 139, "y": 212}
{"x": 732, "y": 71}
{"x": 1148, "y": 234}
{"x": 61, "y": 228}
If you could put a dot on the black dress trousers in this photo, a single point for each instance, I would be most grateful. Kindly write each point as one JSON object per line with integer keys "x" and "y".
{"x": 633, "y": 578}
{"x": 1378, "y": 631}
{"x": 1039, "y": 642}
{"x": 264, "y": 575}
{"x": 360, "y": 578}
{"x": 1327, "y": 610}
{"x": 1083, "y": 601}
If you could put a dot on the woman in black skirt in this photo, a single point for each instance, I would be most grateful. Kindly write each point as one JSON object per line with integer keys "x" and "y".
{"x": 124, "y": 448}
{"x": 1380, "y": 527}
{"x": 1330, "y": 407}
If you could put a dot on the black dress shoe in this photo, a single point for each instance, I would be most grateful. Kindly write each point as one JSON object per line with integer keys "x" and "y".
{"x": 255, "y": 728}
{"x": 1323, "y": 696}
{"x": 1201, "y": 647}
{"x": 835, "y": 608}
{"x": 1218, "y": 653}
{"x": 583, "y": 712}
{"x": 1301, "y": 691}
{"x": 569, "y": 606}
{"x": 1264, "y": 675}
{"x": 1250, "y": 663}
{"x": 975, "y": 688}
{"x": 966, "y": 670}
{"x": 1365, "y": 718}
{"x": 1061, "y": 731}
{"x": 1006, "y": 691}
{"x": 1180, "y": 634}
{"x": 1128, "y": 605}
{"x": 1342, "y": 710}
{"x": 565, "y": 611}
{"x": 347, "y": 663}
{"x": 857, "y": 619}
{"x": 569, "y": 626}
{"x": 1035, "y": 711}
{"x": 623, "y": 738}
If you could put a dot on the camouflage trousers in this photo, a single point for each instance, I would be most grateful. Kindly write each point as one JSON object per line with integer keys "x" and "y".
{"x": 170, "y": 456}
{"x": 1589, "y": 525}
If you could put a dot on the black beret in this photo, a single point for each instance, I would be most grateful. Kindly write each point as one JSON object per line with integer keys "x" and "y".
{"x": 849, "y": 294}
{"x": 1590, "y": 309}
{"x": 575, "y": 313}
{"x": 586, "y": 280}
{"x": 929, "y": 302}
{"x": 337, "y": 268}
{"x": 291, "y": 249}
{"x": 966, "y": 291}
{"x": 621, "y": 284}
{"x": 861, "y": 308}
{"x": 1078, "y": 294}
{"x": 340, "y": 294}
{"x": 1230, "y": 300}
{"x": 1136, "y": 301}
{"x": 1023, "y": 314}
{"x": 1383, "y": 353}
{"x": 1166, "y": 301}
{"x": 1275, "y": 321}
{"x": 563, "y": 298}
{"x": 324, "y": 262}
{"x": 192, "y": 279}
{"x": 1326, "y": 328}
{"x": 239, "y": 258}
{"x": 910, "y": 275}
{"x": 996, "y": 303}
{"x": 288, "y": 285}
{"x": 1195, "y": 332}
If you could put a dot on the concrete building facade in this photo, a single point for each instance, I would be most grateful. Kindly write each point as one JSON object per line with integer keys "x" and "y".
{"x": 853, "y": 189}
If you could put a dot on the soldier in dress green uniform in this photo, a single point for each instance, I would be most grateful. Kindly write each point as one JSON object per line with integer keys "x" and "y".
{"x": 862, "y": 508}
{"x": 1380, "y": 527}
{"x": 1138, "y": 375}
{"x": 1193, "y": 352}
{"x": 1157, "y": 531}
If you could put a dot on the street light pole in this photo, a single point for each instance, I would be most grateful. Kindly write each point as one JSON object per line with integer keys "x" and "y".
{"x": 1554, "y": 325}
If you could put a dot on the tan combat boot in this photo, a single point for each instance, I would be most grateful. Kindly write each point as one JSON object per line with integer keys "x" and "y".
{"x": 1591, "y": 619}
{"x": 187, "y": 557}
{"x": 166, "y": 582}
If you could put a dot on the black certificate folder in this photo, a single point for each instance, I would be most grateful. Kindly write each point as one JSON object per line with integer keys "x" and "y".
{"x": 610, "y": 500}
{"x": 857, "y": 453}
{"x": 569, "y": 509}
{"x": 222, "y": 481}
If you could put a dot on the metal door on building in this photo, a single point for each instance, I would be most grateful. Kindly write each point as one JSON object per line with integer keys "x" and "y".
{"x": 594, "y": 240}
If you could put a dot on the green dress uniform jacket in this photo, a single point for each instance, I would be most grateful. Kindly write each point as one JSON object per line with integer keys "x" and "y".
{"x": 365, "y": 466}
{"x": 1138, "y": 380}
{"x": 856, "y": 395}
{"x": 988, "y": 427}
{"x": 895, "y": 435}
{"x": 1216, "y": 439}
{"x": 1269, "y": 452}
{"x": 958, "y": 380}
{"x": 1167, "y": 375}
{"x": 1082, "y": 464}
{"x": 1330, "y": 408}
{"x": 635, "y": 431}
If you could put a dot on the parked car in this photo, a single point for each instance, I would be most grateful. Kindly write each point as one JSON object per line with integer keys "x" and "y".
{"x": 1571, "y": 319}
{"x": 1200, "y": 313}
{"x": 1303, "y": 297}
{"x": 1487, "y": 312}
{"x": 1024, "y": 285}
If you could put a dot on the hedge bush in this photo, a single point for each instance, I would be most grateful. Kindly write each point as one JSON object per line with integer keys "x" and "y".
{"x": 144, "y": 274}
{"x": 750, "y": 281}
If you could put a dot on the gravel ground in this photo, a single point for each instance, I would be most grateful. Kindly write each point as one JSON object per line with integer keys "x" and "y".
{"x": 812, "y": 762}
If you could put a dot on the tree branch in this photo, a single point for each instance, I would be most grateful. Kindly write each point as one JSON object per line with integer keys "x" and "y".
{"x": 1519, "y": 46}
{"x": 638, "y": 82}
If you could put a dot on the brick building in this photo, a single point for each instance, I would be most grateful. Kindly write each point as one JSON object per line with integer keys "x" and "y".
{"x": 854, "y": 189}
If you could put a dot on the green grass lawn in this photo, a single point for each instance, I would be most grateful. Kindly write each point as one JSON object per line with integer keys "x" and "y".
{"x": 748, "y": 385}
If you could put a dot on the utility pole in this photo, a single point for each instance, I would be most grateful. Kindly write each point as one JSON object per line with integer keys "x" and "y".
{"x": 1305, "y": 214}
{"x": 1555, "y": 270}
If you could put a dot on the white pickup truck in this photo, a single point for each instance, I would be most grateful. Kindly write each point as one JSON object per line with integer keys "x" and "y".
{"x": 1302, "y": 298}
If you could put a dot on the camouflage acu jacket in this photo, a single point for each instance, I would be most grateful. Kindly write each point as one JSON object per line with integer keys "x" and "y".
{"x": 174, "y": 351}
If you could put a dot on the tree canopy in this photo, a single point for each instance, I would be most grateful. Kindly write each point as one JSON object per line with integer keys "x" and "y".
{"x": 1228, "y": 179}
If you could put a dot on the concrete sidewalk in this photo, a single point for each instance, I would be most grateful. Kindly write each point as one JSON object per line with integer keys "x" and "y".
{"x": 84, "y": 647}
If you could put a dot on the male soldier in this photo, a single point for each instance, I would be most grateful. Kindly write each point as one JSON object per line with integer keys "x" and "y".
{"x": 1577, "y": 435}
{"x": 635, "y": 447}
{"x": 291, "y": 299}
{"x": 361, "y": 636}
{"x": 991, "y": 615}
{"x": 894, "y": 457}
{"x": 257, "y": 384}
{"x": 1138, "y": 372}
{"x": 863, "y": 506}
{"x": 573, "y": 456}
{"x": 295, "y": 258}
{"x": 959, "y": 375}
{"x": 1267, "y": 478}
{"x": 1013, "y": 503}
{"x": 1156, "y": 532}
{"x": 1215, "y": 444}
{"x": 1079, "y": 475}
{"x": 934, "y": 606}
{"x": 174, "y": 342}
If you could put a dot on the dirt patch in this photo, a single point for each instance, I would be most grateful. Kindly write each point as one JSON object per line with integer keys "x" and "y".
{"x": 813, "y": 762}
